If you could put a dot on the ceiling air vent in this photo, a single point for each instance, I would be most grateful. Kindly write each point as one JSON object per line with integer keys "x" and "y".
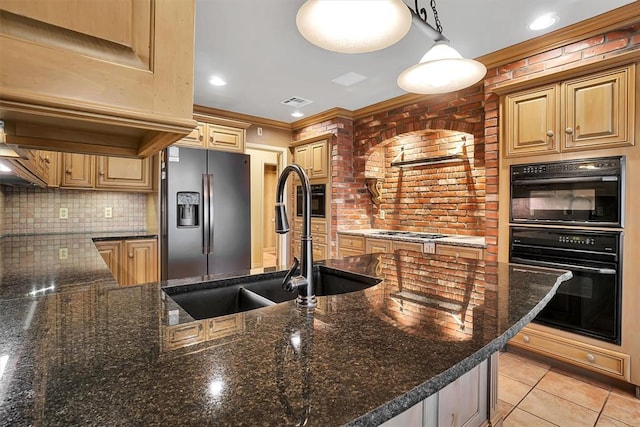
{"x": 296, "y": 101}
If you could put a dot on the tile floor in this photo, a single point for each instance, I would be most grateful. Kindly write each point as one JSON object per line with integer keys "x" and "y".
{"x": 531, "y": 393}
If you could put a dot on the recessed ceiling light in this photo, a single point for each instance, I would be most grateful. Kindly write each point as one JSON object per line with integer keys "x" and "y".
{"x": 349, "y": 79}
{"x": 297, "y": 114}
{"x": 217, "y": 81}
{"x": 542, "y": 22}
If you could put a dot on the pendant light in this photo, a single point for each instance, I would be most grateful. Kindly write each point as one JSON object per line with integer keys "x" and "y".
{"x": 442, "y": 69}
{"x": 353, "y": 26}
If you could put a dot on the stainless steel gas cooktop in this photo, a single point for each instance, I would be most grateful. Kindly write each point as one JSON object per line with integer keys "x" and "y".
{"x": 413, "y": 235}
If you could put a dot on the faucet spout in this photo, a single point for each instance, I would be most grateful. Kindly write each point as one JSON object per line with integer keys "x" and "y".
{"x": 303, "y": 282}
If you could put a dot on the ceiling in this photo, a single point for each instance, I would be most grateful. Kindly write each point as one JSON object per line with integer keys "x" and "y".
{"x": 255, "y": 46}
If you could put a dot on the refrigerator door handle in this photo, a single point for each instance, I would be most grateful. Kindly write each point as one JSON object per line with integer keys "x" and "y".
{"x": 211, "y": 227}
{"x": 205, "y": 214}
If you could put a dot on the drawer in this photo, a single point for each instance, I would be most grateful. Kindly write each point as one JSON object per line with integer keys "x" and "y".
{"x": 586, "y": 356}
{"x": 318, "y": 226}
{"x": 343, "y": 252}
{"x": 224, "y": 326}
{"x": 184, "y": 335}
{"x": 350, "y": 242}
{"x": 460, "y": 251}
{"x": 320, "y": 251}
{"x": 408, "y": 246}
{"x": 319, "y": 238}
{"x": 378, "y": 245}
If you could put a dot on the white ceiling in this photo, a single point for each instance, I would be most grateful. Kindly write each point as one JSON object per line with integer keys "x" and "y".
{"x": 255, "y": 46}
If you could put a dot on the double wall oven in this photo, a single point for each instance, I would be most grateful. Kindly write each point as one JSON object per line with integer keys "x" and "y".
{"x": 570, "y": 215}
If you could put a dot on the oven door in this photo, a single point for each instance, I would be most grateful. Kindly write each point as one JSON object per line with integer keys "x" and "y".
{"x": 595, "y": 201}
{"x": 587, "y": 304}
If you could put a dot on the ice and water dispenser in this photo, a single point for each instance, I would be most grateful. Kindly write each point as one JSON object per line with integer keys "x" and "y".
{"x": 188, "y": 208}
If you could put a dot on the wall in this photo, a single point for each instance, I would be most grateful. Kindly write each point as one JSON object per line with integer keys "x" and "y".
{"x": 33, "y": 210}
{"x": 2, "y": 210}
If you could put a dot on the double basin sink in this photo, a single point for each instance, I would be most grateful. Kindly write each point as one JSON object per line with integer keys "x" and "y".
{"x": 234, "y": 295}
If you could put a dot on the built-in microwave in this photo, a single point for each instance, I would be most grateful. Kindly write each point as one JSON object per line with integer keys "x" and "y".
{"x": 318, "y": 200}
{"x": 585, "y": 192}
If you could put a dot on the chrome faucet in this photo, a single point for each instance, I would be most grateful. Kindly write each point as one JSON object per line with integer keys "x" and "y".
{"x": 303, "y": 283}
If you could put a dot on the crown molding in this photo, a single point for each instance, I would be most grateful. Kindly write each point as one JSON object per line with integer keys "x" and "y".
{"x": 252, "y": 120}
{"x": 331, "y": 114}
{"x": 615, "y": 19}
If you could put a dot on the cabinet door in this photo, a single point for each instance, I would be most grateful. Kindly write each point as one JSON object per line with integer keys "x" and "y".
{"x": 599, "y": 110}
{"x": 318, "y": 163}
{"x": 141, "y": 265}
{"x": 111, "y": 253}
{"x": 531, "y": 122}
{"x": 464, "y": 401}
{"x": 122, "y": 173}
{"x": 78, "y": 171}
{"x": 301, "y": 157}
{"x": 52, "y": 163}
{"x": 196, "y": 138}
{"x": 225, "y": 138}
{"x": 378, "y": 245}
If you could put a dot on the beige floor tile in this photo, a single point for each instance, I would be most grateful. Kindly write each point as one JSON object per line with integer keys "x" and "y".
{"x": 510, "y": 390}
{"x": 583, "y": 378}
{"x": 504, "y": 408}
{"x": 574, "y": 390}
{"x": 605, "y": 421}
{"x": 521, "y": 369}
{"x": 520, "y": 418}
{"x": 557, "y": 410}
{"x": 622, "y": 407}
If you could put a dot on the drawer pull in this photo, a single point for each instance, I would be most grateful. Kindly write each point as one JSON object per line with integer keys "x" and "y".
{"x": 550, "y": 133}
{"x": 130, "y": 255}
{"x": 591, "y": 358}
{"x": 526, "y": 338}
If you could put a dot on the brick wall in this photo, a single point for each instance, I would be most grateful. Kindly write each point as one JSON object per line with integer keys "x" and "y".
{"x": 460, "y": 198}
{"x": 598, "y": 48}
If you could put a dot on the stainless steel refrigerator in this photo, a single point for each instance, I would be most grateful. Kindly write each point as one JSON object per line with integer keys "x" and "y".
{"x": 205, "y": 212}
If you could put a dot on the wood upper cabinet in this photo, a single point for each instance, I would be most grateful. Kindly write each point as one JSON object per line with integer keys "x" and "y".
{"x": 123, "y": 173}
{"x": 592, "y": 112}
{"x": 141, "y": 261}
{"x": 117, "y": 76}
{"x": 532, "y": 122}
{"x": 599, "y": 110}
{"x": 106, "y": 173}
{"x": 313, "y": 158}
{"x": 216, "y": 133}
{"x": 51, "y": 162}
{"x": 78, "y": 170}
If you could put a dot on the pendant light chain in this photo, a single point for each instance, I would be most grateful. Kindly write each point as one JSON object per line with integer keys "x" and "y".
{"x": 435, "y": 16}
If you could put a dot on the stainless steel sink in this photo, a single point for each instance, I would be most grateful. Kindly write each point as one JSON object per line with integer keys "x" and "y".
{"x": 229, "y": 296}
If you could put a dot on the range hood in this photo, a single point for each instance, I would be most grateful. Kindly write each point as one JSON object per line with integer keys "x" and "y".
{"x": 14, "y": 174}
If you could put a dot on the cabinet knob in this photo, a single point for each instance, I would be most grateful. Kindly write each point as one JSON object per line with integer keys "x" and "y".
{"x": 526, "y": 339}
{"x": 101, "y": 173}
{"x": 568, "y": 131}
{"x": 68, "y": 171}
{"x": 591, "y": 358}
{"x": 550, "y": 133}
{"x": 200, "y": 137}
{"x": 47, "y": 159}
{"x": 130, "y": 255}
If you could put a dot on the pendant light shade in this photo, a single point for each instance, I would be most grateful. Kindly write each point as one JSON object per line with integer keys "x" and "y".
{"x": 442, "y": 69}
{"x": 353, "y": 26}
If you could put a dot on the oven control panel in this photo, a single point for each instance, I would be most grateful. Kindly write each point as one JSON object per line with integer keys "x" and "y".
{"x": 587, "y": 167}
{"x": 577, "y": 240}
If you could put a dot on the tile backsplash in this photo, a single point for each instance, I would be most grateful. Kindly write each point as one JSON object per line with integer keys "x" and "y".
{"x": 27, "y": 210}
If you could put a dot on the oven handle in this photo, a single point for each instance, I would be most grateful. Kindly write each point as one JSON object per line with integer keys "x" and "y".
{"x": 608, "y": 271}
{"x": 565, "y": 180}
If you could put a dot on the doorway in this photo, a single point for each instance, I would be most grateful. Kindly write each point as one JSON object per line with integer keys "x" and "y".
{"x": 269, "y": 240}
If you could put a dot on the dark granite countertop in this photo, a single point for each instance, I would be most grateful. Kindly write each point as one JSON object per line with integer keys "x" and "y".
{"x": 88, "y": 352}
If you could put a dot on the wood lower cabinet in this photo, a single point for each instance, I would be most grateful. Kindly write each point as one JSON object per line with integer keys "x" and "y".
{"x": 596, "y": 359}
{"x": 350, "y": 245}
{"x": 132, "y": 261}
{"x": 378, "y": 245}
{"x": 469, "y": 401}
{"x": 106, "y": 173}
{"x": 460, "y": 251}
{"x": 591, "y": 112}
{"x": 320, "y": 238}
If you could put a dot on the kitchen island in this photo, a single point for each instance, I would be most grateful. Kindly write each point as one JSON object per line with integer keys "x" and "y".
{"x": 78, "y": 349}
